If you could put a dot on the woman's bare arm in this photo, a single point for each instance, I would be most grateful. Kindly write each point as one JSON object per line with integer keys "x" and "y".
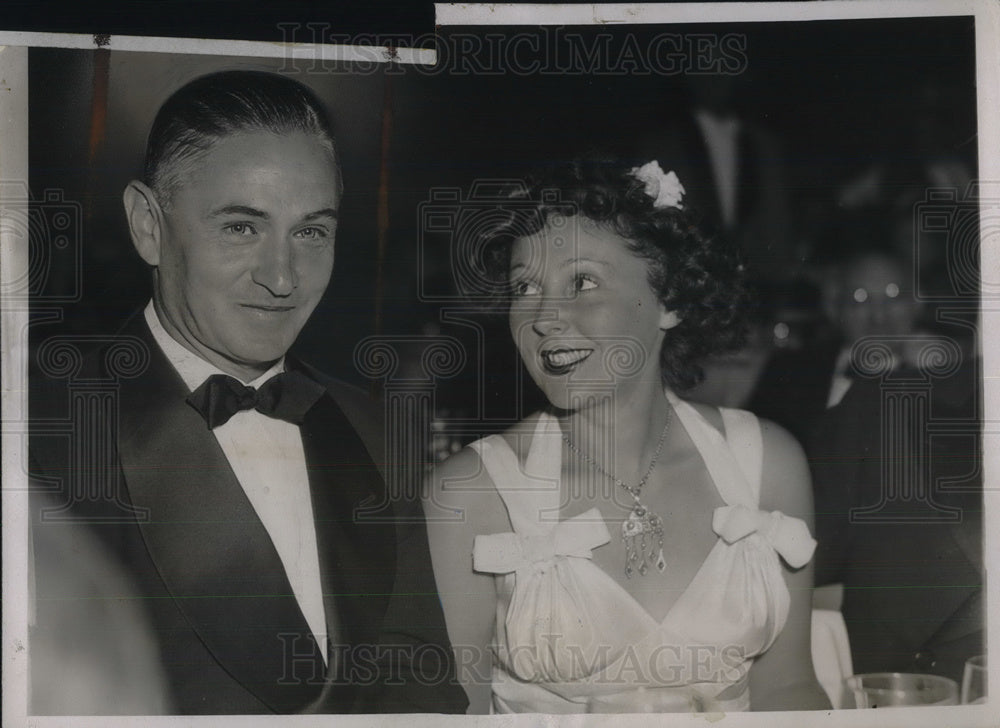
{"x": 461, "y": 503}
{"x": 783, "y": 677}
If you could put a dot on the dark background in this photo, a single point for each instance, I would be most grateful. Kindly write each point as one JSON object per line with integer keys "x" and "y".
{"x": 841, "y": 95}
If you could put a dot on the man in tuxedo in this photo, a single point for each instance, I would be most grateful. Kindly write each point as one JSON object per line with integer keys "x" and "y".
{"x": 243, "y": 491}
{"x": 731, "y": 167}
{"x": 899, "y": 519}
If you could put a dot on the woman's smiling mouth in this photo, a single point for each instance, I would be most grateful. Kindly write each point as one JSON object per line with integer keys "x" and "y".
{"x": 562, "y": 361}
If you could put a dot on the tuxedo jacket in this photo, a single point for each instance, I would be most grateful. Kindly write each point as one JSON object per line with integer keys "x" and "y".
{"x": 911, "y": 566}
{"x": 762, "y": 225}
{"x": 115, "y": 443}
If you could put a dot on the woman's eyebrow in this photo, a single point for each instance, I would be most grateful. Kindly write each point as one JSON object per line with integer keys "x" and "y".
{"x": 594, "y": 261}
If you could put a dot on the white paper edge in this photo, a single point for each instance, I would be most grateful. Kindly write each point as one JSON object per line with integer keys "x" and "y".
{"x": 645, "y": 13}
{"x": 191, "y": 46}
{"x": 13, "y": 165}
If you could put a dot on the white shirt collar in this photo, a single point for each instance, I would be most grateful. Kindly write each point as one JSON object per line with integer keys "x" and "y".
{"x": 718, "y": 123}
{"x": 193, "y": 369}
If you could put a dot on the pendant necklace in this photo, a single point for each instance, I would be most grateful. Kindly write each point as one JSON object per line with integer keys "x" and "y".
{"x": 642, "y": 530}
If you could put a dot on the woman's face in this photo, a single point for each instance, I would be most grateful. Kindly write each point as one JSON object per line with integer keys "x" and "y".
{"x": 584, "y": 317}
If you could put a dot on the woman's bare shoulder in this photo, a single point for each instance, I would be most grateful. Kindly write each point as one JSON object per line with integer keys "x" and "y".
{"x": 518, "y": 436}
{"x": 786, "y": 483}
{"x": 779, "y": 445}
{"x": 711, "y": 414}
{"x": 467, "y": 463}
{"x": 463, "y": 483}
{"x": 785, "y": 477}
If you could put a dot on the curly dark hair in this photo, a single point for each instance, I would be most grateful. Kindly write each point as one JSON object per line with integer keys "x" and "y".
{"x": 699, "y": 276}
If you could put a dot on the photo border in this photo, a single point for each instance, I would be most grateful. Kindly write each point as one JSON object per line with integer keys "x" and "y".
{"x": 14, "y": 321}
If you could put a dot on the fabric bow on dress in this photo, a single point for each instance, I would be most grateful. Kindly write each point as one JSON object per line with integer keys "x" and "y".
{"x": 788, "y": 536}
{"x": 568, "y": 633}
{"x": 550, "y": 617}
{"x": 502, "y": 553}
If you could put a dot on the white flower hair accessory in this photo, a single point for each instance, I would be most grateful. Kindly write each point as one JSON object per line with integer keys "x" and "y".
{"x": 665, "y": 188}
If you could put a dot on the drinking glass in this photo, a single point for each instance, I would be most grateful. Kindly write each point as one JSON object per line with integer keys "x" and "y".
{"x": 885, "y": 689}
{"x": 974, "y": 680}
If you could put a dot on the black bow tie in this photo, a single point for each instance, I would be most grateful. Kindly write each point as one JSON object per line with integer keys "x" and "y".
{"x": 286, "y": 396}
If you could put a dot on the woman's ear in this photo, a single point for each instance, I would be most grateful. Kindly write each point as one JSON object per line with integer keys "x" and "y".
{"x": 145, "y": 220}
{"x": 668, "y": 319}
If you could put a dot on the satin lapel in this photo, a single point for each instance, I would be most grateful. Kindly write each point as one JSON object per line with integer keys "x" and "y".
{"x": 357, "y": 556}
{"x": 211, "y": 550}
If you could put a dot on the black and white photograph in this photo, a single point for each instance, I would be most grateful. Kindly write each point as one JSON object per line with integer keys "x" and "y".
{"x": 543, "y": 360}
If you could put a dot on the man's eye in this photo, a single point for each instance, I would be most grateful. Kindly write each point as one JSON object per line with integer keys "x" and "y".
{"x": 241, "y": 229}
{"x": 524, "y": 288}
{"x": 583, "y": 283}
{"x": 313, "y": 233}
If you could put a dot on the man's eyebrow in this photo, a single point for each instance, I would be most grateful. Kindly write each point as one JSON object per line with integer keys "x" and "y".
{"x": 325, "y": 212}
{"x": 239, "y": 210}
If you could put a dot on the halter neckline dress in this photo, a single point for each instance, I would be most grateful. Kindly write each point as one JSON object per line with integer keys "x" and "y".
{"x": 570, "y": 639}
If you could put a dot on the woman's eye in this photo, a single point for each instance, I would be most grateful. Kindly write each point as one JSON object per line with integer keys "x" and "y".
{"x": 241, "y": 229}
{"x": 583, "y": 283}
{"x": 524, "y": 288}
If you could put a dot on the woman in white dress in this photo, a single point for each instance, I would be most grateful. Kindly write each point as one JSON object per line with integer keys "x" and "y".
{"x": 623, "y": 550}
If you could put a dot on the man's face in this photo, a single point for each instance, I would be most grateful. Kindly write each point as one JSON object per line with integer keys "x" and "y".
{"x": 876, "y": 299}
{"x": 247, "y": 248}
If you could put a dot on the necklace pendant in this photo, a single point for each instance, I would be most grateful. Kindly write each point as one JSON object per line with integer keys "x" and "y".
{"x": 641, "y": 523}
{"x": 642, "y": 530}
{"x": 642, "y": 534}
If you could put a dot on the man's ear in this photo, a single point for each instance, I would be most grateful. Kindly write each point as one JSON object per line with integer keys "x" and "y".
{"x": 145, "y": 220}
{"x": 668, "y": 319}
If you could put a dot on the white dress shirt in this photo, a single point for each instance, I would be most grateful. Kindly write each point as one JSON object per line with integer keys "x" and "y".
{"x": 721, "y": 134}
{"x": 267, "y": 458}
{"x": 840, "y": 382}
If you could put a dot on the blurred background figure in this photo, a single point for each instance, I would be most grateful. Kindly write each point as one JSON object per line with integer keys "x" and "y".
{"x": 92, "y": 649}
{"x": 867, "y": 292}
{"x": 731, "y": 165}
{"x": 897, "y": 477}
{"x": 929, "y": 151}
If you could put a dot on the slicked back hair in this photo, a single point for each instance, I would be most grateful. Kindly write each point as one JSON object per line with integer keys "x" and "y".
{"x": 213, "y": 107}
